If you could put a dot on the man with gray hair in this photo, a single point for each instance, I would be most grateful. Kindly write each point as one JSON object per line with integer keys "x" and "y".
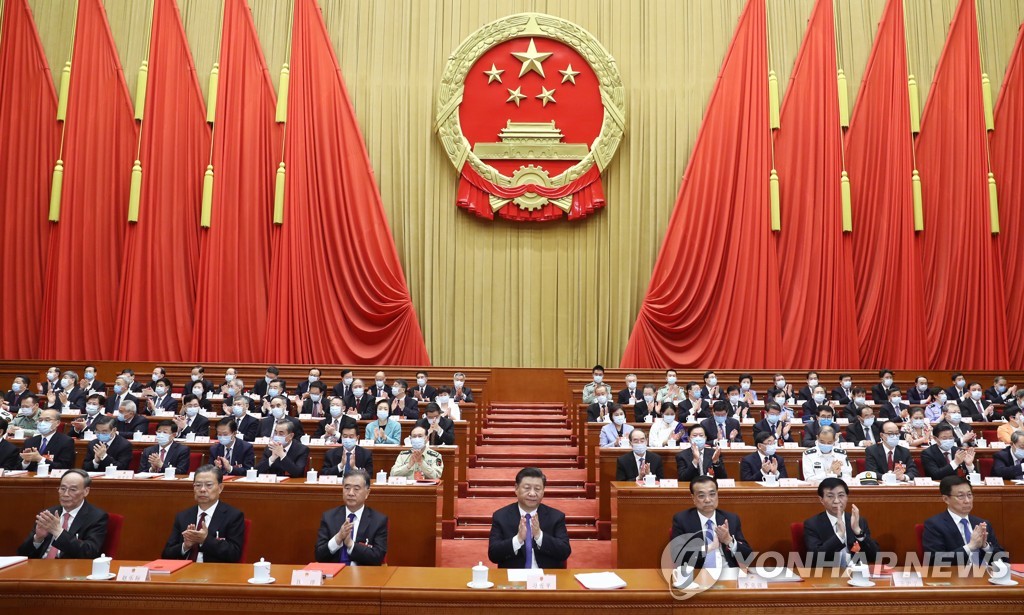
{"x": 74, "y": 529}
{"x": 68, "y": 394}
{"x": 1009, "y": 462}
{"x": 353, "y": 534}
{"x": 129, "y": 420}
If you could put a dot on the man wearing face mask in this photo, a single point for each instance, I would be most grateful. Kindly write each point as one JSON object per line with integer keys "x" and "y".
{"x": 1014, "y": 422}
{"x": 275, "y": 390}
{"x": 781, "y": 388}
{"x": 945, "y": 458}
{"x": 975, "y": 406}
{"x": 440, "y": 430}
{"x": 161, "y": 400}
{"x": 963, "y": 433}
{"x": 56, "y": 448}
{"x": 93, "y": 404}
{"x": 418, "y": 461}
{"x": 629, "y": 395}
{"x": 807, "y": 393}
{"x": 1008, "y": 463}
{"x": 121, "y": 394}
{"x": 617, "y": 432}
{"x": 600, "y": 410}
{"x": 888, "y": 456}
{"x": 9, "y": 457}
{"x": 329, "y": 428}
{"x": 19, "y": 390}
{"x": 920, "y": 393}
{"x": 231, "y": 454}
{"x": 166, "y": 453}
{"x": 764, "y": 463}
{"x": 738, "y": 409}
{"x": 129, "y": 421}
{"x": 285, "y": 455}
{"x": 699, "y": 459}
{"x": 191, "y": 421}
{"x": 303, "y": 388}
{"x": 314, "y": 403}
{"x": 460, "y": 392}
{"x": 344, "y": 388}
{"x": 359, "y": 400}
{"x": 590, "y": 389}
{"x": 380, "y": 389}
{"x": 843, "y": 394}
{"x": 384, "y": 430}
{"x": 342, "y": 460}
{"x": 131, "y": 385}
{"x": 27, "y": 417}
{"x": 999, "y": 393}
{"x": 773, "y": 424}
{"x": 198, "y": 376}
{"x": 248, "y": 425}
{"x": 402, "y": 404}
{"x": 958, "y": 392}
{"x": 824, "y": 459}
{"x": 108, "y": 449}
{"x": 263, "y": 384}
{"x": 825, "y": 418}
{"x": 638, "y": 463}
{"x": 647, "y": 410}
{"x": 894, "y": 409}
{"x": 817, "y": 400}
{"x": 158, "y": 373}
{"x": 52, "y": 383}
{"x": 880, "y": 392}
{"x": 720, "y": 426}
{"x": 866, "y": 430}
{"x": 279, "y": 412}
{"x": 694, "y": 407}
{"x": 710, "y": 391}
{"x": 68, "y": 395}
{"x": 858, "y": 401}
{"x": 423, "y": 391}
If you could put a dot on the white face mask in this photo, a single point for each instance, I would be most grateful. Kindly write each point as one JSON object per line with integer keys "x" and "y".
{"x": 92, "y": 409}
{"x": 357, "y": 391}
{"x": 348, "y": 382}
{"x": 229, "y": 377}
{"x": 196, "y": 377}
{"x": 781, "y": 382}
{"x": 671, "y": 380}
{"x": 191, "y": 410}
{"x": 382, "y": 416}
{"x": 712, "y": 381}
{"x": 161, "y": 390}
{"x": 197, "y": 391}
{"x": 277, "y": 412}
{"x": 417, "y": 443}
{"x": 813, "y": 382}
{"x": 442, "y": 400}
{"x": 163, "y": 438}
{"x": 602, "y": 399}
{"x": 312, "y": 379}
{"x": 421, "y": 382}
{"x": 459, "y": 384}
{"x": 598, "y": 378}
{"x": 648, "y": 399}
{"x": 631, "y": 386}
{"x": 238, "y": 410}
{"x": 380, "y": 384}
{"x": 336, "y": 411}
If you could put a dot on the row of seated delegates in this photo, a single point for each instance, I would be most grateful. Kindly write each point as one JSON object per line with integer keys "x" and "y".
{"x": 210, "y": 531}
{"x": 707, "y": 537}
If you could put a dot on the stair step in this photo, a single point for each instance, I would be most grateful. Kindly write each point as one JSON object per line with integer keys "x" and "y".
{"x": 525, "y": 424}
{"x": 519, "y": 441}
{"x": 519, "y": 464}
{"x": 555, "y": 477}
{"x": 507, "y": 491}
{"x": 527, "y": 431}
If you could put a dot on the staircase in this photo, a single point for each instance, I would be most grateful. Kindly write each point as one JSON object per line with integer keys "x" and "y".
{"x": 515, "y": 436}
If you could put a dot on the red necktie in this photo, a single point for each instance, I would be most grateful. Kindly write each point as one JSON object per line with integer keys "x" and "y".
{"x": 52, "y": 552}
{"x": 163, "y": 455}
{"x": 892, "y": 464}
{"x": 193, "y": 553}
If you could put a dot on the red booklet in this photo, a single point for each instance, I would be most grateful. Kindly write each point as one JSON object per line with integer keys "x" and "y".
{"x": 328, "y": 570}
{"x": 167, "y": 566}
{"x": 1017, "y": 569}
{"x": 878, "y": 570}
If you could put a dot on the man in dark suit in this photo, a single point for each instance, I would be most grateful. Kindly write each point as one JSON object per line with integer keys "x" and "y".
{"x": 630, "y": 395}
{"x": 720, "y": 426}
{"x": 248, "y": 425}
{"x": 694, "y": 405}
{"x": 191, "y": 421}
{"x": 806, "y": 393}
{"x": 212, "y": 531}
{"x": 108, "y": 449}
{"x": 963, "y": 433}
{"x": 329, "y": 427}
{"x": 161, "y": 400}
{"x": 711, "y": 391}
{"x": 773, "y": 424}
{"x": 1008, "y": 463}
{"x": 10, "y": 458}
{"x": 68, "y": 394}
{"x": 359, "y": 399}
{"x": 999, "y": 393}
{"x": 889, "y": 456}
{"x": 834, "y": 538}
{"x": 231, "y": 454}
{"x": 955, "y": 536}
{"x": 423, "y": 392}
{"x": 957, "y": 392}
{"x": 353, "y": 533}
{"x": 73, "y": 530}
{"x": 48, "y": 443}
{"x": 601, "y": 410}
{"x": 865, "y": 431}
{"x": 843, "y": 394}
{"x": 129, "y": 420}
{"x": 166, "y": 453}
{"x": 285, "y": 455}
{"x": 529, "y": 534}
{"x": 303, "y": 387}
{"x": 880, "y": 391}
{"x": 93, "y": 411}
{"x": 638, "y": 463}
{"x": 122, "y": 393}
{"x": 894, "y": 410}
{"x": 920, "y": 393}
{"x": 90, "y": 384}
{"x": 261, "y": 385}
{"x": 315, "y": 404}
{"x": 737, "y": 407}
{"x": 647, "y": 406}
{"x": 344, "y": 388}
{"x": 402, "y": 404}
{"x": 380, "y": 389}
{"x": 278, "y": 412}
{"x": 825, "y": 418}
{"x": 440, "y": 429}
{"x": 704, "y": 536}
{"x": 944, "y": 458}
{"x": 52, "y": 382}
{"x": 460, "y": 392}
{"x": 975, "y": 406}
{"x": 342, "y": 460}
{"x": 19, "y": 390}
{"x": 699, "y": 459}
{"x": 130, "y": 384}
{"x": 764, "y": 463}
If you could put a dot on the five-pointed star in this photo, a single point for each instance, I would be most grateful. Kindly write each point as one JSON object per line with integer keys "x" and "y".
{"x": 569, "y": 74}
{"x": 531, "y": 60}
{"x": 546, "y": 96}
{"x": 515, "y": 96}
{"x": 495, "y": 75}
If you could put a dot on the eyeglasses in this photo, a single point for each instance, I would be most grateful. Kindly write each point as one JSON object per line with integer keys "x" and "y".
{"x": 201, "y": 486}
{"x": 68, "y": 490}
{"x": 705, "y": 497}
{"x": 832, "y": 497}
{"x": 964, "y": 497}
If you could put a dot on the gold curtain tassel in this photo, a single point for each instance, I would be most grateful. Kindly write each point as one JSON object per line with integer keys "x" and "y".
{"x": 62, "y": 100}
{"x": 279, "y": 195}
{"x": 773, "y": 100}
{"x": 282, "y": 95}
{"x": 915, "y": 105}
{"x": 773, "y": 191}
{"x": 844, "y": 100}
{"x": 140, "y": 90}
{"x": 986, "y": 96}
{"x": 847, "y": 200}
{"x": 918, "y": 203}
{"x": 204, "y": 219}
{"x": 993, "y": 204}
{"x": 136, "y": 192}
{"x": 211, "y": 97}
{"x": 56, "y": 187}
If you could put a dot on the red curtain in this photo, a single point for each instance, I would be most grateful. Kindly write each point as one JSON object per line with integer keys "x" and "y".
{"x": 28, "y": 151}
{"x": 719, "y": 305}
{"x": 100, "y": 140}
{"x": 1007, "y": 147}
{"x": 162, "y": 249}
{"x": 819, "y": 325}
{"x": 879, "y": 159}
{"x": 343, "y": 297}
{"x": 234, "y": 268}
{"x": 963, "y": 281}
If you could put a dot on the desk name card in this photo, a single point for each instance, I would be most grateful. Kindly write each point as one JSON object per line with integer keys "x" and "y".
{"x": 133, "y": 574}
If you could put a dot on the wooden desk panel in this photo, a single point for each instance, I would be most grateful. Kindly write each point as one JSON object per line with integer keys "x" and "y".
{"x": 285, "y": 517}
{"x": 642, "y": 516}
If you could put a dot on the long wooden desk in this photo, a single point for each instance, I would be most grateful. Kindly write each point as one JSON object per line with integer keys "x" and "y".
{"x": 642, "y": 516}
{"x": 218, "y": 588}
{"x": 604, "y": 469}
{"x": 285, "y": 516}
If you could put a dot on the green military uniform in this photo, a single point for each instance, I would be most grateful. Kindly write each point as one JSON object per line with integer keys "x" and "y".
{"x": 432, "y": 465}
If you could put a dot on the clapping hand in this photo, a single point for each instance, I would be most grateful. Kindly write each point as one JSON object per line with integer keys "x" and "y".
{"x": 979, "y": 536}
{"x": 47, "y": 523}
{"x": 191, "y": 536}
{"x": 722, "y": 534}
{"x": 855, "y": 519}
{"x": 837, "y": 467}
{"x": 276, "y": 450}
{"x": 154, "y": 462}
{"x": 716, "y": 455}
{"x": 770, "y": 467}
{"x": 345, "y": 535}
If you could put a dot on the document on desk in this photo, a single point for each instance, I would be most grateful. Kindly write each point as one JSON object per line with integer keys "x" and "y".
{"x": 776, "y": 575}
{"x": 12, "y": 560}
{"x": 600, "y": 580}
{"x": 519, "y": 575}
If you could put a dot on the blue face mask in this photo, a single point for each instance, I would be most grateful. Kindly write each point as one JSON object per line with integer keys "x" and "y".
{"x": 279, "y": 439}
{"x": 639, "y": 450}
{"x": 1018, "y": 453}
{"x": 947, "y": 445}
{"x": 696, "y": 394}
{"x": 772, "y": 418}
{"x": 825, "y": 422}
{"x": 348, "y": 443}
{"x": 162, "y": 439}
{"x": 104, "y": 437}
{"x": 720, "y": 419}
{"x": 698, "y": 441}
{"x": 118, "y": 389}
{"x": 825, "y": 449}
{"x": 224, "y": 440}
{"x": 770, "y": 449}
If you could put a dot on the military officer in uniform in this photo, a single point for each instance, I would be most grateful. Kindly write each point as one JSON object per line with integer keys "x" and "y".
{"x": 824, "y": 460}
{"x": 419, "y": 461}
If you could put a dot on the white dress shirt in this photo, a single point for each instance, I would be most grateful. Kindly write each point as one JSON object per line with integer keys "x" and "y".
{"x": 334, "y": 546}
{"x": 960, "y": 528}
{"x": 71, "y": 519}
{"x": 206, "y": 523}
{"x": 538, "y": 538}
{"x": 720, "y": 558}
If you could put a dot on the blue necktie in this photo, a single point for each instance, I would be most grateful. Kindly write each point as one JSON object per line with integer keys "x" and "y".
{"x": 348, "y": 462}
{"x": 709, "y": 537}
{"x": 345, "y": 559}
{"x": 42, "y": 446}
{"x": 975, "y": 555}
{"x": 529, "y": 541}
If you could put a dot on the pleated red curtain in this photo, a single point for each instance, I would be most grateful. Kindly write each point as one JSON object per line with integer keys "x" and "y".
{"x": 346, "y": 299}
{"x": 158, "y": 273}
{"x": 879, "y": 159}
{"x": 963, "y": 277}
{"x": 234, "y": 267}
{"x": 719, "y": 304}
{"x": 28, "y": 151}
{"x": 1007, "y": 146}
{"x": 86, "y": 246}
{"x": 819, "y": 324}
